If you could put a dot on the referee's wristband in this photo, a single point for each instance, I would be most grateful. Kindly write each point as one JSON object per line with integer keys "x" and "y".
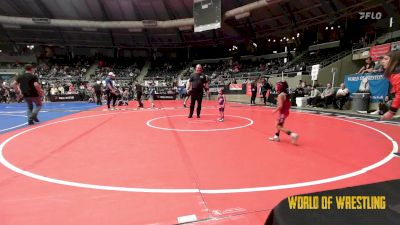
{"x": 393, "y": 110}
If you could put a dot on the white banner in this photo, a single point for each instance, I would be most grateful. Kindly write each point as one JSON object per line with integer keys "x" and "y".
{"x": 314, "y": 72}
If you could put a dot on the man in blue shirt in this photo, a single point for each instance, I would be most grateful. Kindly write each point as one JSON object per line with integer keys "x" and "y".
{"x": 152, "y": 93}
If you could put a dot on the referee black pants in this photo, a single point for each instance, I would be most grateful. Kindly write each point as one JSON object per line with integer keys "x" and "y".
{"x": 111, "y": 96}
{"x": 253, "y": 97}
{"x": 139, "y": 98}
{"x": 195, "y": 96}
{"x": 98, "y": 98}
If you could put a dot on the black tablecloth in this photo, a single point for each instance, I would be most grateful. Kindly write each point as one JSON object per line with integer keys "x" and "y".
{"x": 64, "y": 98}
{"x": 164, "y": 96}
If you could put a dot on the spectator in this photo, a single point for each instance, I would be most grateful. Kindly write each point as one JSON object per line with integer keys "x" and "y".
{"x": 316, "y": 84}
{"x": 315, "y": 95}
{"x": 71, "y": 88}
{"x": 368, "y": 67}
{"x": 307, "y": 90}
{"x": 391, "y": 63}
{"x": 383, "y": 106}
{"x": 53, "y": 90}
{"x": 378, "y": 68}
{"x": 28, "y": 87}
{"x": 265, "y": 89}
{"x": 125, "y": 96}
{"x": 61, "y": 89}
{"x": 342, "y": 96}
{"x": 253, "y": 93}
{"x": 327, "y": 95}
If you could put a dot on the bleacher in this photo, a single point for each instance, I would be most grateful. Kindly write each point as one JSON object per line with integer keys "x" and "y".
{"x": 125, "y": 70}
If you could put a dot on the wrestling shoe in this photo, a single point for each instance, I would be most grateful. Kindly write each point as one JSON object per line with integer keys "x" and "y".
{"x": 294, "y": 137}
{"x": 274, "y": 138}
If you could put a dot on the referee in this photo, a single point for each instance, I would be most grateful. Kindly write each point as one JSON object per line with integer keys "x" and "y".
{"x": 197, "y": 83}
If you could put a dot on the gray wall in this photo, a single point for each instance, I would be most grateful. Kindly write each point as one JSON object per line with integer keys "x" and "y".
{"x": 343, "y": 67}
{"x": 292, "y": 81}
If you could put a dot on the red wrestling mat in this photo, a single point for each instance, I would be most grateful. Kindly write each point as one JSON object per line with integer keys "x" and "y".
{"x": 157, "y": 166}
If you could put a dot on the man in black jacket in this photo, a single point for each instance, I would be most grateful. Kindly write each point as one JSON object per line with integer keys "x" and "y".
{"x": 265, "y": 89}
{"x": 253, "y": 92}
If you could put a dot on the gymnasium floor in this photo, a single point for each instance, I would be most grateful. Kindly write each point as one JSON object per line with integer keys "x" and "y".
{"x": 86, "y": 165}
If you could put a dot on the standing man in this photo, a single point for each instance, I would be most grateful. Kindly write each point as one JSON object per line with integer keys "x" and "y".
{"x": 97, "y": 90}
{"x": 265, "y": 89}
{"x": 139, "y": 92}
{"x": 152, "y": 93}
{"x": 253, "y": 87}
{"x": 197, "y": 83}
{"x": 28, "y": 87}
{"x": 111, "y": 92}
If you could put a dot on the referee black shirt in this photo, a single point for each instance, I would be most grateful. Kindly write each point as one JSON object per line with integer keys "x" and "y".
{"x": 97, "y": 88}
{"x": 198, "y": 80}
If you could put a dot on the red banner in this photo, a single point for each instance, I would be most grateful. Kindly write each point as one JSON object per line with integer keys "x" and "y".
{"x": 235, "y": 87}
{"x": 379, "y": 50}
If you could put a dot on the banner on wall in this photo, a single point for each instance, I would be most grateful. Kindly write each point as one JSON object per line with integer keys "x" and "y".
{"x": 379, "y": 50}
{"x": 235, "y": 87}
{"x": 314, "y": 72}
{"x": 248, "y": 89}
{"x": 374, "y": 83}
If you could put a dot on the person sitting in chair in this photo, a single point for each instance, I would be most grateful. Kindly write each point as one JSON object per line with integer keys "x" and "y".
{"x": 342, "y": 96}
{"x": 368, "y": 66}
{"x": 327, "y": 95}
{"x": 315, "y": 96}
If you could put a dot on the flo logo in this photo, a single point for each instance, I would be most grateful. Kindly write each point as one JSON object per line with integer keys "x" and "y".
{"x": 370, "y": 15}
